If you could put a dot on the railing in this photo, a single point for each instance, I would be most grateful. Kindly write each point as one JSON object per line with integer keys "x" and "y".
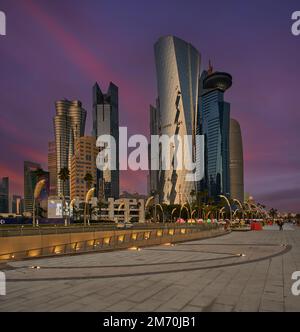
{"x": 120, "y": 239}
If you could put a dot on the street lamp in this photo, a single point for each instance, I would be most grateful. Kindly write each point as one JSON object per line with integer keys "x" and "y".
{"x": 228, "y": 203}
{"x": 221, "y": 212}
{"x": 195, "y": 210}
{"x": 173, "y": 213}
{"x": 88, "y": 196}
{"x": 183, "y": 206}
{"x": 186, "y": 196}
{"x": 241, "y": 206}
{"x": 71, "y": 205}
{"x": 249, "y": 208}
{"x": 162, "y": 210}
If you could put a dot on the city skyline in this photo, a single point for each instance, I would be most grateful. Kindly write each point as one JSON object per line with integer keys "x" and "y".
{"x": 269, "y": 136}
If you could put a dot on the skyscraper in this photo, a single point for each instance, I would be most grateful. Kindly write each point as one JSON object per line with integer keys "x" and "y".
{"x": 236, "y": 161}
{"x": 154, "y": 130}
{"x": 214, "y": 120}
{"x": 32, "y": 174}
{"x": 69, "y": 124}
{"x": 52, "y": 168}
{"x": 4, "y": 195}
{"x": 17, "y": 204}
{"x": 83, "y": 162}
{"x": 177, "y": 69}
{"x": 106, "y": 122}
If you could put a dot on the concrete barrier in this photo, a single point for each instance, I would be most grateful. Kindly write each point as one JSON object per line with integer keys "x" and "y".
{"x": 24, "y": 247}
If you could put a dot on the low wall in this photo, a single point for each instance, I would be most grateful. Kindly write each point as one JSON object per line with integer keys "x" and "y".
{"x": 22, "y": 247}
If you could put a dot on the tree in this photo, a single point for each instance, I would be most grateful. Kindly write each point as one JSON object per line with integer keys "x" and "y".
{"x": 273, "y": 213}
{"x": 64, "y": 176}
{"x": 88, "y": 178}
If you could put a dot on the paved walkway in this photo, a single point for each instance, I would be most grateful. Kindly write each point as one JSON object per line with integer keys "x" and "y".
{"x": 241, "y": 271}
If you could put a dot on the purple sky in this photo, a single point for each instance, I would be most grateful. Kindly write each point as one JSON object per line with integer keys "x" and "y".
{"x": 59, "y": 48}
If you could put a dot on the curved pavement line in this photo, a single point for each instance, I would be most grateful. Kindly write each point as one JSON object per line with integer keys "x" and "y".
{"x": 128, "y": 265}
{"x": 231, "y": 244}
{"x": 192, "y": 251}
{"x": 286, "y": 249}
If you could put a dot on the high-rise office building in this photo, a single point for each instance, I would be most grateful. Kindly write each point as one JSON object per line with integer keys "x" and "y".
{"x": 106, "y": 122}
{"x": 214, "y": 122}
{"x": 52, "y": 168}
{"x": 177, "y": 68}
{"x": 16, "y": 204}
{"x": 4, "y": 195}
{"x": 153, "y": 182}
{"x": 69, "y": 124}
{"x": 32, "y": 174}
{"x": 236, "y": 161}
{"x": 83, "y": 162}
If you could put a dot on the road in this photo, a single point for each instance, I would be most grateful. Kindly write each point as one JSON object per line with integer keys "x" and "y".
{"x": 241, "y": 271}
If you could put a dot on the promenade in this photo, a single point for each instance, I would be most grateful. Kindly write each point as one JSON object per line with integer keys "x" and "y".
{"x": 240, "y": 271}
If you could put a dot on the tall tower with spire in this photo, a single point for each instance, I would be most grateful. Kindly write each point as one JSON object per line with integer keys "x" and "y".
{"x": 214, "y": 124}
{"x": 106, "y": 122}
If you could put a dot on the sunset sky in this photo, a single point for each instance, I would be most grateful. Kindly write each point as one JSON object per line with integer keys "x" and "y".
{"x": 58, "y": 49}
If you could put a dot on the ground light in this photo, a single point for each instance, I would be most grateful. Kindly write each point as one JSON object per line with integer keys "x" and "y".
{"x": 134, "y": 248}
{"x": 35, "y": 267}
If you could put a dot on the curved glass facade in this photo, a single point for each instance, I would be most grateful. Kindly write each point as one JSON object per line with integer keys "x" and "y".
{"x": 177, "y": 68}
{"x": 69, "y": 124}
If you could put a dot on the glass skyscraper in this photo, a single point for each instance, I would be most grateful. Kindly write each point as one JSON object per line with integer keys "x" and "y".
{"x": 106, "y": 122}
{"x": 32, "y": 174}
{"x": 69, "y": 124}
{"x": 214, "y": 124}
{"x": 4, "y": 195}
{"x": 177, "y": 68}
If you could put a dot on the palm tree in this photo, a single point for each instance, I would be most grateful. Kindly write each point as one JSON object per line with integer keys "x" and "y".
{"x": 88, "y": 178}
{"x": 64, "y": 176}
{"x": 273, "y": 213}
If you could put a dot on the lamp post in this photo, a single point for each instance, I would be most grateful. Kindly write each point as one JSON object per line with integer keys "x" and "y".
{"x": 119, "y": 208}
{"x": 37, "y": 191}
{"x": 241, "y": 206}
{"x": 221, "y": 211}
{"x": 71, "y": 206}
{"x": 228, "y": 203}
{"x": 173, "y": 213}
{"x": 195, "y": 210}
{"x": 190, "y": 207}
{"x": 249, "y": 208}
{"x": 183, "y": 206}
{"x": 88, "y": 196}
{"x": 148, "y": 201}
{"x": 162, "y": 210}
